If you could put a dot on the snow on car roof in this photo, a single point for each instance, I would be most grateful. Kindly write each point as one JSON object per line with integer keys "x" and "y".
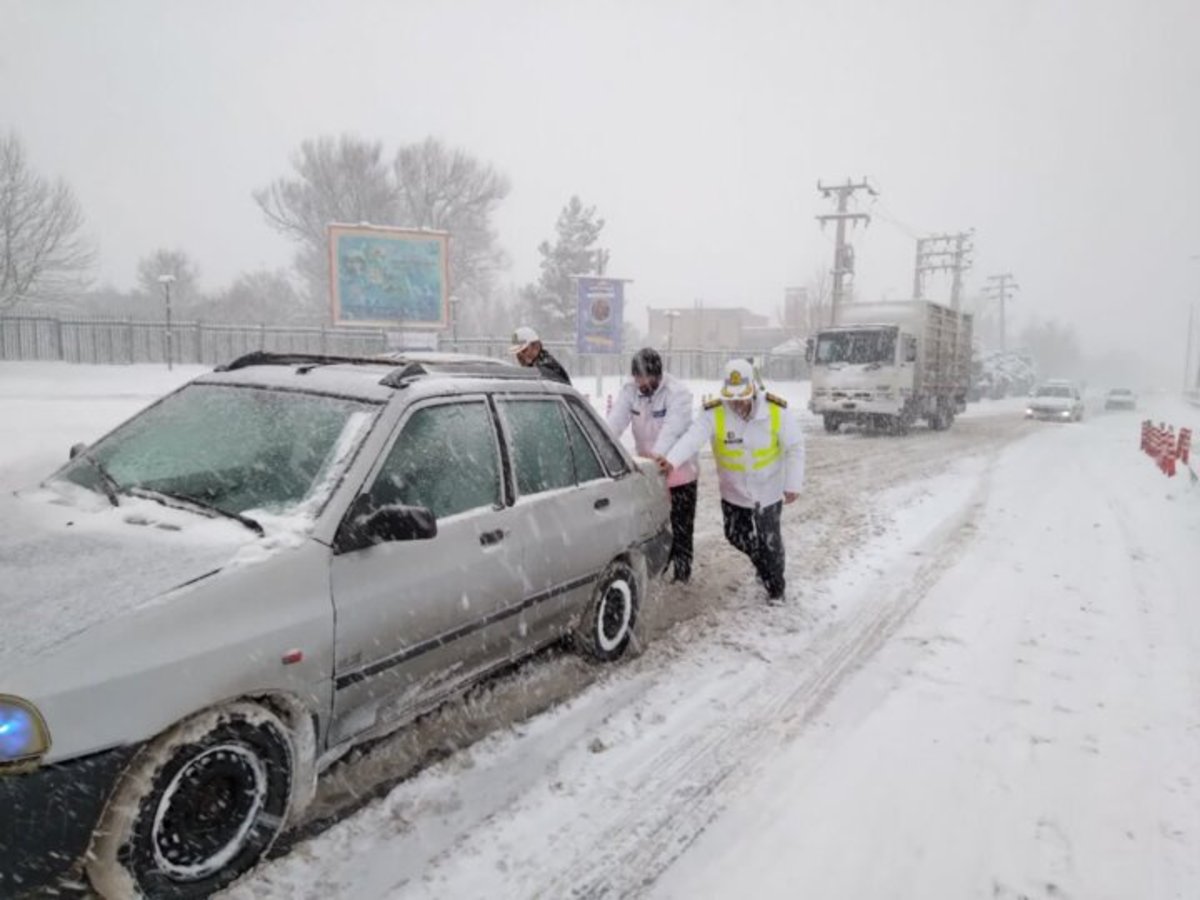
{"x": 364, "y": 378}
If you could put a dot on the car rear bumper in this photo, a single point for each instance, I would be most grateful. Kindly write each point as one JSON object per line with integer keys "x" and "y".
{"x": 657, "y": 551}
{"x": 48, "y": 816}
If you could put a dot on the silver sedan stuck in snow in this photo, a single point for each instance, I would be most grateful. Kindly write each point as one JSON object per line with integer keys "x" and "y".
{"x": 282, "y": 559}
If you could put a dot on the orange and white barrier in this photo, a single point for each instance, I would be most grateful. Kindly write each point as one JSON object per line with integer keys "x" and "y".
{"x": 1160, "y": 443}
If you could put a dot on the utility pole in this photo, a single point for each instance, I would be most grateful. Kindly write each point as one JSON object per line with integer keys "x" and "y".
{"x": 943, "y": 252}
{"x": 843, "y": 254}
{"x": 998, "y": 288}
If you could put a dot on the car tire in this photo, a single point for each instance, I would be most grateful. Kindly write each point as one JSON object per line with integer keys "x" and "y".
{"x": 196, "y": 808}
{"x": 606, "y": 627}
{"x": 832, "y": 423}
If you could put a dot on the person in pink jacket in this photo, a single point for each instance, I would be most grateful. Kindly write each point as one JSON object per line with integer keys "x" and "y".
{"x": 659, "y": 407}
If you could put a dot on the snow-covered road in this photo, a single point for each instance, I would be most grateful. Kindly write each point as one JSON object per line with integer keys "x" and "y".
{"x": 984, "y": 686}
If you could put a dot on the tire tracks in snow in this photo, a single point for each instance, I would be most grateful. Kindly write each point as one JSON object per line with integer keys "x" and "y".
{"x": 687, "y": 784}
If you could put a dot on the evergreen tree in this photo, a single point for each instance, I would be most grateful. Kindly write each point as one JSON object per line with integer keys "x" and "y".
{"x": 551, "y": 301}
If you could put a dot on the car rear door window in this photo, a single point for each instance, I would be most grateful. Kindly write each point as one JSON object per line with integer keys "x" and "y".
{"x": 541, "y": 453}
{"x": 587, "y": 467}
{"x": 614, "y": 462}
{"x": 445, "y": 459}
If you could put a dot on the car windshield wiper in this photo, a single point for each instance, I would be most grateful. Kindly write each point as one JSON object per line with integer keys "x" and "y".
{"x": 109, "y": 484}
{"x": 155, "y": 494}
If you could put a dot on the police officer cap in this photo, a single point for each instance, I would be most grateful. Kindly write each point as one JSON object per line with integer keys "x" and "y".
{"x": 739, "y": 380}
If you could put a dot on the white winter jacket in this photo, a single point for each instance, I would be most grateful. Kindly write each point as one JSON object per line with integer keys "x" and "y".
{"x": 658, "y": 422}
{"x": 754, "y": 485}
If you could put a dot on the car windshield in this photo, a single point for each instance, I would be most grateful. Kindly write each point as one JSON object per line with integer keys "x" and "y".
{"x": 231, "y": 448}
{"x": 1054, "y": 390}
{"x": 857, "y": 347}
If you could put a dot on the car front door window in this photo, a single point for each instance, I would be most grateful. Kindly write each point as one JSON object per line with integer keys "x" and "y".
{"x": 445, "y": 460}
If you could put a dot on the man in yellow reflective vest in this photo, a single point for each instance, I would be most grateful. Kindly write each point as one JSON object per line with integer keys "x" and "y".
{"x": 759, "y": 451}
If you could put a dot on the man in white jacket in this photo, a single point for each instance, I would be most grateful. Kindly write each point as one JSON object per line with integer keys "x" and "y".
{"x": 759, "y": 451}
{"x": 660, "y": 409}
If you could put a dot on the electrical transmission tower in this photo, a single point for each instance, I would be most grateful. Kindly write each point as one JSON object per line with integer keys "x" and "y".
{"x": 843, "y": 253}
{"x": 943, "y": 252}
{"x": 998, "y": 288}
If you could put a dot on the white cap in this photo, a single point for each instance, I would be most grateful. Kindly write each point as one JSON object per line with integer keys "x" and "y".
{"x": 739, "y": 380}
{"x": 522, "y": 338}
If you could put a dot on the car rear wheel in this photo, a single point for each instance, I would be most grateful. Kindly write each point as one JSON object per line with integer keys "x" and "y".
{"x": 197, "y": 807}
{"x": 606, "y": 627}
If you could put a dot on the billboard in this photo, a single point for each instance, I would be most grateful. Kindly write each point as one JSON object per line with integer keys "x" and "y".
{"x": 600, "y": 314}
{"x": 390, "y": 277}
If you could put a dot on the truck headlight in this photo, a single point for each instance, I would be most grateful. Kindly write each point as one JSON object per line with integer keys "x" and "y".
{"x": 24, "y": 737}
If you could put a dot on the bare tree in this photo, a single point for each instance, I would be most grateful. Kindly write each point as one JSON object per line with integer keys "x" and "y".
{"x": 169, "y": 262}
{"x": 449, "y": 190}
{"x": 264, "y": 297}
{"x": 336, "y": 180}
{"x": 819, "y": 294}
{"x": 43, "y": 255}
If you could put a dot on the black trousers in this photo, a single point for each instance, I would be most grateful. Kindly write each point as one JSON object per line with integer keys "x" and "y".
{"x": 683, "y": 521}
{"x": 756, "y": 533}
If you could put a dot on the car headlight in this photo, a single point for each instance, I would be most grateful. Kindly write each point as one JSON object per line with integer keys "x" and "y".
{"x": 24, "y": 737}
{"x": 1065, "y": 412}
{"x": 1029, "y": 411}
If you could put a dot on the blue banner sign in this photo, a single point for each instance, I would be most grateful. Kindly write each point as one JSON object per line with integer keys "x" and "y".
{"x": 600, "y": 316}
{"x": 388, "y": 277}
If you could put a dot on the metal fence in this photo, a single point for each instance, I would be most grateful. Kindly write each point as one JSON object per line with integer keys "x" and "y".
{"x": 128, "y": 341}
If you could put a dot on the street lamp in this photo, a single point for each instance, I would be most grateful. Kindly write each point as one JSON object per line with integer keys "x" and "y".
{"x": 166, "y": 281}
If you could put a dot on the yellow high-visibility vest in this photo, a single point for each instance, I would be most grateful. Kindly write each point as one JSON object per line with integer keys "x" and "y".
{"x": 733, "y": 460}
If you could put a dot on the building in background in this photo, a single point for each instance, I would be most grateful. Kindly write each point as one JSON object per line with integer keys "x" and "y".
{"x": 704, "y": 327}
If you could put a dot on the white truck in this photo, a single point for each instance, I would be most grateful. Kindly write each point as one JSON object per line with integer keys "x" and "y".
{"x": 887, "y": 364}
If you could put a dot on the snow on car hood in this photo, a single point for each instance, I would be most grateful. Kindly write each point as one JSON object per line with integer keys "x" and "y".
{"x": 69, "y": 560}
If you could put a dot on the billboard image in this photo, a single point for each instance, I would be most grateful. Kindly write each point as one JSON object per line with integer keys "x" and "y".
{"x": 390, "y": 277}
{"x": 601, "y": 315}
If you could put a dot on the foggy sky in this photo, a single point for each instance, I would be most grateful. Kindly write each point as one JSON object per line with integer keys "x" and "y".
{"x": 1065, "y": 133}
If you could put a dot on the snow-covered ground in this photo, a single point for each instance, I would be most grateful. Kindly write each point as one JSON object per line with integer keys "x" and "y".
{"x": 984, "y": 685}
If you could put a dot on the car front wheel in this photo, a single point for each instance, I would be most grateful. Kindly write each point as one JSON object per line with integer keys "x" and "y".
{"x": 197, "y": 807}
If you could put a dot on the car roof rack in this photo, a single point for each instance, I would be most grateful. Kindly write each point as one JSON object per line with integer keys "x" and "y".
{"x": 402, "y": 376}
{"x": 403, "y": 371}
{"x": 266, "y": 358}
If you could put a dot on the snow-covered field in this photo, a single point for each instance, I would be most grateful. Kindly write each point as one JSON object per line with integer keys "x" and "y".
{"x": 984, "y": 685}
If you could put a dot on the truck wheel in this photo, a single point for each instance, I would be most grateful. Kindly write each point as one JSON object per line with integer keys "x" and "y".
{"x": 831, "y": 423}
{"x": 197, "y": 807}
{"x": 606, "y": 627}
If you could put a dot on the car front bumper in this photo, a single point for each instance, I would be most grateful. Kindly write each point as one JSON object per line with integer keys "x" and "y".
{"x": 1052, "y": 415}
{"x": 47, "y": 817}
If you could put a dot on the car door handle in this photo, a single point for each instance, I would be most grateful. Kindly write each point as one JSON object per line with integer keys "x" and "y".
{"x": 488, "y": 538}
{"x": 602, "y": 503}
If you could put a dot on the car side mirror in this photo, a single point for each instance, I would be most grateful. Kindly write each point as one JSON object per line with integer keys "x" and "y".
{"x": 365, "y": 526}
{"x": 76, "y": 449}
{"x": 808, "y": 350}
{"x": 910, "y": 350}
